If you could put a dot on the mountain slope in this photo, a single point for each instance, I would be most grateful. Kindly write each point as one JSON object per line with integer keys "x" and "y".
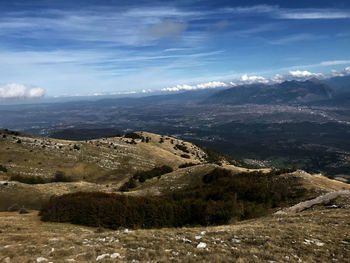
{"x": 288, "y": 92}
{"x": 101, "y": 160}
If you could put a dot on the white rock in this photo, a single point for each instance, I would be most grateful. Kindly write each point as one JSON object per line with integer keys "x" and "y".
{"x": 41, "y": 259}
{"x": 100, "y": 257}
{"x": 70, "y": 260}
{"x": 115, "y": 255}
{"x": 7, "y": 260}
{"x": 202, "y": 245}
{"x": 186, "y": 240}
{"x": 236, "y": 240}
{"x": 197, "y": 237}
{"x": 203, "y": 233}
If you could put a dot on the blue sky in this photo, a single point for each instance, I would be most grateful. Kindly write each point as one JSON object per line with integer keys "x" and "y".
{"x": 109, "y": 47}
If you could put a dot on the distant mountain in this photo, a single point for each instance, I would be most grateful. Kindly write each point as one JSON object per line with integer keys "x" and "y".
{"x": 288, "y": 92}
{"x": 340, "y": 83}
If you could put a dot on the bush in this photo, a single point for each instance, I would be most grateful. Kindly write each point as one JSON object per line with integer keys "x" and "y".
{"x": 133, "y": 135}
{"x": 185, "y": 156}
{"x": 220, "y": 198}
{"x": 182, "y": 148}
{"x": 76, "y": 147}
{"x": 28, "y": 179}
{"x": 61, "y": 177}
{"x": 128, "y": 185}
{"x": 155, "y": 172}
{"x": 58, "y": 177}
{"x": 3, "y": 169}
{"x": 184, "y": 165}
{"x": 23, "y": 211}
{"x": 13, "y": 208}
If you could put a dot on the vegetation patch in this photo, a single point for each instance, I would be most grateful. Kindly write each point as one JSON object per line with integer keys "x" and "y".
{"x": 144, "y": 175}
{"x": 133, "y": 135}
{"x": 220, "y": 198}
{"x": 182, "y": 148}
{"x": 184, "y": 165}
{"x": 59, "y": 176}
{"x": 3, "y": 169}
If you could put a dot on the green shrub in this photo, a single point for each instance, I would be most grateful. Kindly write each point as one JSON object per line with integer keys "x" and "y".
{"x": 128, "y": 185}
{"x": 182, "y": 148}
{"x": 133, "y": 135}
{"x": 3, "y": 169}
{"x": 28, "y": 179}
{"x": 61, "y": 177}
{"x": 184, "y": 165}
{"x": 14, "y": 208}
{"x": 220, "y": 198}
{"x": 185, "y": 156}
{"x": 155, "y": 172}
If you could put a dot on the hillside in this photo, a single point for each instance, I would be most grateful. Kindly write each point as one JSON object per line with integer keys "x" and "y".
{"x": 105, "y": 164}
{"x": 320, "y": 234}
{"x": 288, "y": 92}
{"x": 102, "y": 164}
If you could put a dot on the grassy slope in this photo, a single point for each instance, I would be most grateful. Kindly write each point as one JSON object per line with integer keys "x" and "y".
{"x": 106, "y": 159}
{"x": 97, "y": 163}
{"x": 316, "y": 235}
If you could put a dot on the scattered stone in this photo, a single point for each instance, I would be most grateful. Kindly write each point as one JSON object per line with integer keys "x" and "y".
{"x": 7, "y": 260}
{"x": 70, "y": 260}
{"x": 115, "y": 255}
{"x": 197, "y": 237}
{"x": 202, "y": 245}
{"x": 186, "y": 240}
{"x": 236, "y": 240}
{"x": 100, "y": 257}
{"x": 203, "y": 233}
{"x": 41, "y": 259}
{"x": 314, "y": 241}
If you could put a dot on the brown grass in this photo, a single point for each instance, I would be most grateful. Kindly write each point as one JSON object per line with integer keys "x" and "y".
{"x": 291, "y": 238}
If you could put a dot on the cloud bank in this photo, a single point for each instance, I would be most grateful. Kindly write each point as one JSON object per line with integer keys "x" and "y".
{"x": 16, "y": 91}
{"x": 300, "y": 75}
{"x": 208, "y": 85}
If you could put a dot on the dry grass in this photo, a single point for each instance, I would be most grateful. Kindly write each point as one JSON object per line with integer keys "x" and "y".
{"x": 317, "y": 235}
{"x": 104, "y": 160}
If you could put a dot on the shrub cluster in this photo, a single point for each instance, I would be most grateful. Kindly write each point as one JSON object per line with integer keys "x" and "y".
{"x": 184, "y": 165}
{"x": 133, "y": 135}
{"x": 3, "y": 169}
{"x": 182, "y": 148}
{"x": 185, "y": 156}
{"x": 221, "y": 197}
{"x": 144, "y": 175}
{"x": 58, "y": 177}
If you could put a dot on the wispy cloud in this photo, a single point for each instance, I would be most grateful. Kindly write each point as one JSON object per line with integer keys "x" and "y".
{"x": 313, "y": 14}
{"x": 278, "y": 12}
{"x": 296, "y": 38}
{"x": 334, "y": 62}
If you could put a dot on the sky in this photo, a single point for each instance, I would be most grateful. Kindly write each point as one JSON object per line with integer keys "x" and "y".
{"x": 92, "y": 47}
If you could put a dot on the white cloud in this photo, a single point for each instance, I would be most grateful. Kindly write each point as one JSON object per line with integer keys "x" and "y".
{"x": 14, "y": 90}
{"x": 208, "y": 85}
{"x": 305, "y": 74}
{"x": 292, "y": 13}
{"x": 313, "y": 14}
{"x": 253, "y": 79}
{"x": 345, "y": 72}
